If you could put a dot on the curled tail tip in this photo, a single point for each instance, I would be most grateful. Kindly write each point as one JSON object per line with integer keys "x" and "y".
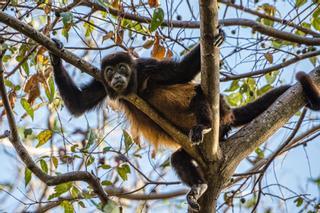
{"x": 300, "y": 76}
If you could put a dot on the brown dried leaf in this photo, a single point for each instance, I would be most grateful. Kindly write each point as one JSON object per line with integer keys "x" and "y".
{"x": 119, "y": 37}
{"x": 32, "y": 88}
{"x": 153, "y": 3}
{"x": 116, "y": 4}
{"x": 47, "y": 8}
{"x": 158, "y": 50}
{"x": 148, "y": 44}
{"x": 107, "y": 36}
{"x": 269, "y": 57}
{"x": 169, "y": 54}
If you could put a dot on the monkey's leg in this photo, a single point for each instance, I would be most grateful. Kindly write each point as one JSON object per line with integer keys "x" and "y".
{"x": 200, "y": 106}
{"x": 191, "y": 174}
{"x": 310, "y": 90}
{"x": 247, "y": 113}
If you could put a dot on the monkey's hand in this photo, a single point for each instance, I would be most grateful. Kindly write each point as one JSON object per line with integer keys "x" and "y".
{"x": 196, "y": 134}
{"x": 219, "y": 39}
{"x": 56, "y": 60}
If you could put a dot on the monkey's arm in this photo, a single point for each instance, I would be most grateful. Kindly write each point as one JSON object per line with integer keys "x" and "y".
{"x": 76, "y": 100}
{"x": 176, "y": 72}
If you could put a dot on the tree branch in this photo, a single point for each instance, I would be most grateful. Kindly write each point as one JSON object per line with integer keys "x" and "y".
{"x": 92, "y": 180}
{"x": 247, "y": 139}
{"x": 272, "y": 18}
{"x": 210, "y": 73}
{"x": 272, "y": 68}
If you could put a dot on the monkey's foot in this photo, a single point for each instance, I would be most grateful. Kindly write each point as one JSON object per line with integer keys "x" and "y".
{"x": 195, "y": 193}
{"x": 59, "y": 44}
{"x": 219, "y": 39}
{"x": 193, "y": 203}
{"x": 196, "y": 134}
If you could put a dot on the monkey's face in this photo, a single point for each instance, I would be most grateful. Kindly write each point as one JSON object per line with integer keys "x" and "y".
{"x": 118, "y": 76}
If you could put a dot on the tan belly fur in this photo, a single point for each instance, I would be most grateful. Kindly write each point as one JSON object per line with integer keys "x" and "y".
{"x": 173, "y": 103}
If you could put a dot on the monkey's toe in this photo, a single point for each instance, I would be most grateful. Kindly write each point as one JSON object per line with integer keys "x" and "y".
{"x": 219, "y": 39}
{"x": 193, "y": 203}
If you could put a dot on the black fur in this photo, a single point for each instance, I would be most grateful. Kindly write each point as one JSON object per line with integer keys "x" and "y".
{"x": 148, "y": 75}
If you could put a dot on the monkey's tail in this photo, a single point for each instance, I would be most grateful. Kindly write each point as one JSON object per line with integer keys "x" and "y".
{"x": 310, "y": 90}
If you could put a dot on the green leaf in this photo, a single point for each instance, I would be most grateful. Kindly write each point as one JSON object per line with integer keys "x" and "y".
{"x": 298, "y": 201}
{"x": 27, "y": 176}
{"x": 315, "y": 22}
{"x": 89, "y": 27}
{"x": 25, "y": 67}
{"x": 157, "y": 19}
{"x": 9, "y": 84}
{"x": 55, "y": 161}
{"x": 81, "y": 204}
{"x": 67, "y": 18}
{"x": 234, "y": 86}
{"x": 106, "y": 183}
{"x": 264, "y": 89}
{"x": 127, "y": 140}
{"x": 313, "y": 60}
{"x": 106, "y": 149}
{"x": 260, "y": 153}
{"x": 271, "y": 77}
{"x": 234, "y": 99}
{"x": 89, "y": 160}
{"x": 74, "y": 147}
{"x": 50, "y": 92}
{"x": 105, "y": 166}
{"x": 60, "y": 189}
{"x": 44, "y": 166}
{"x": 75, "y": 192}
{"x": 67, "y": 206}
{"x": 299, "y": 3}
{"x": 111, "y": 207}
{"x": 123, "y": 171}
{"x": 43, "y": 137}
{"x": 27, "y": 107}
{"x": 91, "y": 137}
{"x": 27, "y": 132}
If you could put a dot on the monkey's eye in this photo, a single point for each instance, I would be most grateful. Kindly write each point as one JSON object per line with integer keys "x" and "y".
{"x": 108, "y": 73}
{"x": 122, "y": 69}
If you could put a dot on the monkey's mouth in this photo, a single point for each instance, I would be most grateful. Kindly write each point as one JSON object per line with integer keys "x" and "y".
{"x": 119, "y": 85}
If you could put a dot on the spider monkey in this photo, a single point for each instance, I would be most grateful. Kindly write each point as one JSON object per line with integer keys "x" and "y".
{"x": 168, "y": 87}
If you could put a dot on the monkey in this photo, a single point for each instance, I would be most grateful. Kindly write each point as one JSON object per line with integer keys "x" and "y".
{"x": 167, "y": 85}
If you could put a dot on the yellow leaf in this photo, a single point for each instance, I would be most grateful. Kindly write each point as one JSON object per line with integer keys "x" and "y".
{"x": 43, "y": 137}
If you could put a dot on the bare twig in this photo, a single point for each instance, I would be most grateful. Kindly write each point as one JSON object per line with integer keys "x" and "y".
{"x": 272, "y": 68}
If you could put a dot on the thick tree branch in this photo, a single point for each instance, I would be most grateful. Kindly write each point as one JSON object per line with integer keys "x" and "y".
{"x": 27, "y": 159}
{"x": 246, "y": 140}
{"x": 210, "y": 73}
{"x": 84, "y": 66}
